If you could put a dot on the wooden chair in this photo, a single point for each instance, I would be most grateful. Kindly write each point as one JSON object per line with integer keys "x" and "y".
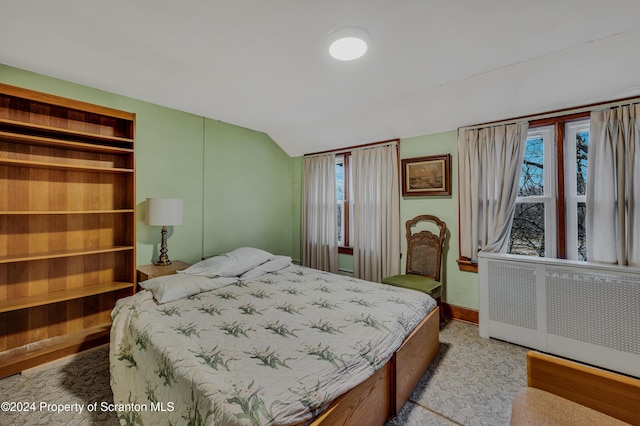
{"x": 424, "y": 259}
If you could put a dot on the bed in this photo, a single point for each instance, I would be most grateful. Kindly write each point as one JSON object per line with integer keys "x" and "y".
{"x": 265, "y": 341}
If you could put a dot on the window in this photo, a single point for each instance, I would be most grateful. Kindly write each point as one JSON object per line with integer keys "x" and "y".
{"x": 576, "y": 151}
{"x": 533, "y": 222}
{"x": 345, "y": 206}
{"x": 340, "y": 197}
{"x": 549, "y": 217}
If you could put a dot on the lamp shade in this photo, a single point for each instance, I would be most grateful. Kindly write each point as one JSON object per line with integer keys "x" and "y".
{"x": 163, "y": 211}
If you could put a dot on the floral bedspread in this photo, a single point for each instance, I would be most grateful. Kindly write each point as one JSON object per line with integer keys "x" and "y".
{"x": 274, "y": 350}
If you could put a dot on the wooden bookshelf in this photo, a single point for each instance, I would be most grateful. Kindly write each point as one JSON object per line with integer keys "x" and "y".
{"x": 22, "y": 358}
{"x": 61, "y": 253}
{"x": 60, "y": 296}
{"x": 67, "y": 224}
{"x": 35, "y": 129}
{"x": 54, "y": 165}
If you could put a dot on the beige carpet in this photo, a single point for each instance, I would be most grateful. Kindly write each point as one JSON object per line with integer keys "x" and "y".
{"x": 46, "y": 391}
{"x": 471, "y": 382}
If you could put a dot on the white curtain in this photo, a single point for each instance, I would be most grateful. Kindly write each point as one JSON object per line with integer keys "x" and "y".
{"x": 613, "y": 186}
{"x": 319, "y": 213}
{"x": 490, "y": 164}
{"x": 376, "y": 247}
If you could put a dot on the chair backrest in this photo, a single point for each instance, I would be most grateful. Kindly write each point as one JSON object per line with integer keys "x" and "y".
{"x": 424, "y": 248}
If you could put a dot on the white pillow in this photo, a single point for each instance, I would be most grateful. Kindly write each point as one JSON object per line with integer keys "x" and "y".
{"x": 232, "y": 264}
{"x": 170, "y": 288}
{"x": 275, "y": 264}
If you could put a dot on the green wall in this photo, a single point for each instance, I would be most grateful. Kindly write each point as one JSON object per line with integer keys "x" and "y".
{"x": 461, "y": 288}
{"x": 247, "y": 191}
{"x": 239, "y": 187}
{"x": 236, "y": 183}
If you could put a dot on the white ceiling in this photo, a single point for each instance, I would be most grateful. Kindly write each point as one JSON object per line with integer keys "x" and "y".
{"x": 433, "y": 65}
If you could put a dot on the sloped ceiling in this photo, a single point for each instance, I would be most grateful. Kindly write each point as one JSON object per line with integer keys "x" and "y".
{"x": 433, "y": 65}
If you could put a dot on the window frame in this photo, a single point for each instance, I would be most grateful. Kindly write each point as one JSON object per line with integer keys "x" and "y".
{"x": 559, "y": 123}
{"x": 549, "y": 198}
{"x": 572, "y": 197}
{"x": 346, "y": 247}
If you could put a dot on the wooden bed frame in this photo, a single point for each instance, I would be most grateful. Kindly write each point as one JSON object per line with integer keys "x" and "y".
{"x": 382, "y": 395}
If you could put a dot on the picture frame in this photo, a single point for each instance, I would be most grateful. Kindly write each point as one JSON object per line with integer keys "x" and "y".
{"x": 426, "y": 176}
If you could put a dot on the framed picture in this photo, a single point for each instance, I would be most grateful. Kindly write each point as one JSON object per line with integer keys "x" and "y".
{"x": 424, "y": 176}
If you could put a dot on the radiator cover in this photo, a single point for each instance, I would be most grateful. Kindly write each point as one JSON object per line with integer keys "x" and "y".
{"x": 579, "y": 310}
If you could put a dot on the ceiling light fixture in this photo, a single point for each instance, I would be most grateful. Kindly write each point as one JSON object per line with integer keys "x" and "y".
{"x": 347, "y": 44}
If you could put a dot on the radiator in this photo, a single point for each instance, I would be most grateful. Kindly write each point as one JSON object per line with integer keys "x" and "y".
{"x": 583, "y": 311}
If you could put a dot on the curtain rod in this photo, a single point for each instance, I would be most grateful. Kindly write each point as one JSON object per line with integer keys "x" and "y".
{"x": 556, "y": 113}
{"x": 353, "y": 148}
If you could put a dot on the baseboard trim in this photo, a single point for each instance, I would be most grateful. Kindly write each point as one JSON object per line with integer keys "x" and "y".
{"x": 459, "y": 313}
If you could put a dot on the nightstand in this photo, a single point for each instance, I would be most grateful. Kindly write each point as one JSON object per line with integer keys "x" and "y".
{"x": 146, "y": 272}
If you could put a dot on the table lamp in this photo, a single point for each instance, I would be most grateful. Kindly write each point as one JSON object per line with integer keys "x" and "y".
{"x": 163, "y": 212}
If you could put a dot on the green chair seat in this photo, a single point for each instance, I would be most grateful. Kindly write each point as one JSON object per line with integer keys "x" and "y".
{"x": 424, "y": 258}
{"x": 416, "y": 282}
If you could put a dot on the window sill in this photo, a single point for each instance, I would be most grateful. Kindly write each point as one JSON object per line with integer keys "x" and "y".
{"x": 467, "y": 265}
{"x": 345, "y": 250}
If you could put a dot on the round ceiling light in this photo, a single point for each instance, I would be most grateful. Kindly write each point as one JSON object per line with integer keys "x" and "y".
{"x": 347, "y": 44}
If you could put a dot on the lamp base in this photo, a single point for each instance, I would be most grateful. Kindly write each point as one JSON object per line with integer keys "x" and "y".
{"x": 163, "y": 260}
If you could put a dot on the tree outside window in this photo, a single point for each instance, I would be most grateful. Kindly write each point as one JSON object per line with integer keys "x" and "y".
{"x": 549, "y": 218}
